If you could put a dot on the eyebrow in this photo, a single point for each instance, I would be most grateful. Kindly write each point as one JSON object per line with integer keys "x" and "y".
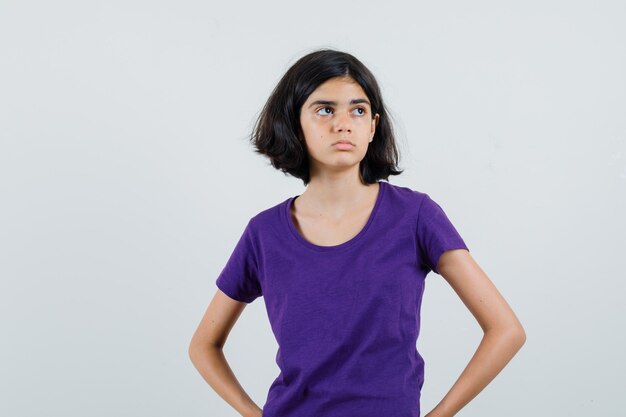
{"x": 334, "y": 103}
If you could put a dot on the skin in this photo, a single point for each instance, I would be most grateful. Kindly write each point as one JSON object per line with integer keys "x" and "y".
{"x": 335, "y": 205}
{"x": 333, "y": 208}
{"x": 503, "y": 333}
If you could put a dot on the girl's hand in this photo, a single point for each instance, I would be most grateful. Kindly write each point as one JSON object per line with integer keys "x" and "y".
{"x": 256, "y": 413}
{"x": 437, "y": 413}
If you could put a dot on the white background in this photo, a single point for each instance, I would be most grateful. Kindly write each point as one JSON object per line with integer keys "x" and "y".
{"x": 126, "y": 179}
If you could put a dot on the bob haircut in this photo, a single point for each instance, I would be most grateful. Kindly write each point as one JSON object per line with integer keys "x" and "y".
{"x": 277, "y": 132}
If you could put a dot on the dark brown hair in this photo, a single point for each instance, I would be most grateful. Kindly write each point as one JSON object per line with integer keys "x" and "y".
{"x": 277, "y": 132}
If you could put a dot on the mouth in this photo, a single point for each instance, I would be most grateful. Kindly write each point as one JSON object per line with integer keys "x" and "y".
{"x": 344, "y": 145}
{"x": 346, "y": 142}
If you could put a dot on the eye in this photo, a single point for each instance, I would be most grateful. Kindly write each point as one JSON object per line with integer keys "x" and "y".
{"x": 323, "y": 111}
{"x": 361, "y": 110}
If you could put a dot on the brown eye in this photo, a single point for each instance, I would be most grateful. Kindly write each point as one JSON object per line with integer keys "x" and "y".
{"x": 323, "y": 109}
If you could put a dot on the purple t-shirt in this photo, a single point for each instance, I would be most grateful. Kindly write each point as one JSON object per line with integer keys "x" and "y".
{"x": 346, "y": 317}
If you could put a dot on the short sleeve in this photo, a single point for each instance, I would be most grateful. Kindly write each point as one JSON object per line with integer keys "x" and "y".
{"x": 435, "y": 233}
{"x": 239, "y": 278}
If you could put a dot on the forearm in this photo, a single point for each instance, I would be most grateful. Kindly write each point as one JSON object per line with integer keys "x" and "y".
{"x": 212, "y": 365}
{"x": 495, "y": 350}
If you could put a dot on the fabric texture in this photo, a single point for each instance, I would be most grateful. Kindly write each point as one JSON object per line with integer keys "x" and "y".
{"x": 346, "y": 317}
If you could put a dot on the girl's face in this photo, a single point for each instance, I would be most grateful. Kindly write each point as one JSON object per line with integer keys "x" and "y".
{"x": 337, "y": 111}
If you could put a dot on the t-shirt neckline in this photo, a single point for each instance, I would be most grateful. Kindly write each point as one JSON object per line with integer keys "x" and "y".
{"x": 298, "y": 237}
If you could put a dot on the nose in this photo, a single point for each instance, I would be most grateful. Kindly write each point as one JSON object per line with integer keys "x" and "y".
{"x": 342, "y": 122}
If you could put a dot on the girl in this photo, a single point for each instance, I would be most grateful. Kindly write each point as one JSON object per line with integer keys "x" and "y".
{"x": 342, "y": 266}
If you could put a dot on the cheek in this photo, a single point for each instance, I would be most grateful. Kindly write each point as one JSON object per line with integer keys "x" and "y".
{"x": 312, "y": 131}
{"x": 365, "y": 123}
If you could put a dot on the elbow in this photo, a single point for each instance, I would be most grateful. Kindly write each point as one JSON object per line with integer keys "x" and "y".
{"x": 522, "y": 336}
{"x": 199, "y": 348}
{"x": 195, "y": 349}
{"x": 192, "y": 351}
{"x": 517, "y": 335}
{"x": 514, "y": 334}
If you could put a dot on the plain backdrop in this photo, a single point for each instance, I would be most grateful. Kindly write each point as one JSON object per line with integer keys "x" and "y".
{"x": 126, "y": 179}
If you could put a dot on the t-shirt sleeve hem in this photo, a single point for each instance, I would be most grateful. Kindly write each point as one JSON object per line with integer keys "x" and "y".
{"x": 442, "y": 251}
{"x": 222, "y": 284}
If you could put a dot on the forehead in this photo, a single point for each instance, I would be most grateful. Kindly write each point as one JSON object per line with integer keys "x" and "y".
{"x": 337, "y": 87}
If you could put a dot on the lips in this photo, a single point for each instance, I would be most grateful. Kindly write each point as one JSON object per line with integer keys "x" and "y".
{"x": 343, "y": 145}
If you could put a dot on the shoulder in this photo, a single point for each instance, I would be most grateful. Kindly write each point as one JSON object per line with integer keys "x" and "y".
{"x": 268, "y": 218}
{"x": 405, "y": 197}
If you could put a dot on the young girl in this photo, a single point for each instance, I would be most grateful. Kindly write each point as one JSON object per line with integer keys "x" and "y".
{"x": 342, "y": 266}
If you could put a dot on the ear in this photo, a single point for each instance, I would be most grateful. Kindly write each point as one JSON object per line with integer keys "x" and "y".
{"x": 375, "y": 120}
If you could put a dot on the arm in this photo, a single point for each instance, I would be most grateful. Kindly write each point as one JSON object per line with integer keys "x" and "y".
{"x": 503, "y": 333}
{"x": 206, "y": 353}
